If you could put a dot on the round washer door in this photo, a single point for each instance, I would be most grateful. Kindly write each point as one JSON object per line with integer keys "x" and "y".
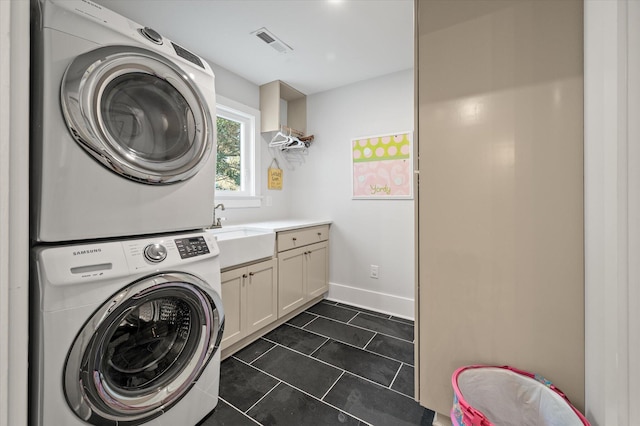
{"x": 138, "y": 114}
{"x": 143, "y": 349}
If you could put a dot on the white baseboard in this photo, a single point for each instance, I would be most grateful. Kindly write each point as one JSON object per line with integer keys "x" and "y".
{"x": 382, "y": 302}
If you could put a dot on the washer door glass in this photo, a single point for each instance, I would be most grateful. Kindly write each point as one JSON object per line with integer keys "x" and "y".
{"x": 143, "y": 350}
{"x": 138, "y": 114}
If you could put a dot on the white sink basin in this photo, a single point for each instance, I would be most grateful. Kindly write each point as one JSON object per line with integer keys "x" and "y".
{"x": 240, "y": 244}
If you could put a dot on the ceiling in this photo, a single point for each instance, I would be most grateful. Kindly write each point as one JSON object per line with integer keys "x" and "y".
{"x": 335, "y": 42}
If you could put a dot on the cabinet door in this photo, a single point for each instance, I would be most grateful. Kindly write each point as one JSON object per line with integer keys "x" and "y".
{"x": 291, "y": 277}
{"x": 262, "y": 295}
{"x": 232, "y": 301}
{"x": 317, "y": 269}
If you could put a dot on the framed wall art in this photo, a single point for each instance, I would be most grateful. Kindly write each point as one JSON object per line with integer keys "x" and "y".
{"x": 382, "y": 166}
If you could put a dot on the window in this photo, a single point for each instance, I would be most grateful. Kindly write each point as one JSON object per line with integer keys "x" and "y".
{"x": 237, "y": 180}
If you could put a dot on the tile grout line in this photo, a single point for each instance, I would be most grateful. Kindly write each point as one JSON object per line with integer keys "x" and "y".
{"x": 331, "y": 318}
{"x": 303, "y": 327}
{"x": 332, "y": 386}
{"x": 372, "y": 313}
{"x": 379, "y": 385}
{"x": 370, "y": 340}
{"x": 318, "y": 348}
{"x": 339, "y": 322}
{"x": 343, "y": 372}
{"x": 354, "y": 373}
{"x": 315, "y": 317}
{"x": 356, "y": 325}
{"x": 395, "y": 377}
{"x": 330, "y": 365}
{"x": 328, "y": 338}
{"x": 347, "y": 323}
{"x": 302, "y": 391}
{"x": 401, "y": 393}
{"x": 363, "y": 349}
{"x": 404, "y": 321}
{"x": 292, "y": 326}
{"x": 303, "y": 354}
{"x": 386, "y": 334}
{"x": 263, "y": 396}
{"x": 359, "y": 310}
{"x": 239, "y": 411}
{"x": 260, "y": 356}
{"x": 352, "y": 318}
{"x": 359, "y": 326}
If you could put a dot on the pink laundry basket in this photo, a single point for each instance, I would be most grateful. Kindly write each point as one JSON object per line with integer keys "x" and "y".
{"x": 506, "y": 396}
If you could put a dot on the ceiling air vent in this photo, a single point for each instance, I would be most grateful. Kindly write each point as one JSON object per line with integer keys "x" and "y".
{"x": 273, "y": 41}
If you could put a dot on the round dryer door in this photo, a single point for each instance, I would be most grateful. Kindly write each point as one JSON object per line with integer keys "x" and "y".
{"x": 143, "y": 349}
{"x": 138, "y": 114}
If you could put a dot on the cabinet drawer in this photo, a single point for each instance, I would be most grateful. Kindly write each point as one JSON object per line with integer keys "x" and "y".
{"x": 288, "y": 240}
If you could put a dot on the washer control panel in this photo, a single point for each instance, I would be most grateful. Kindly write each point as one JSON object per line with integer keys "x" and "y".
{"x": 171, "y": 251}
{"x": 190, "y": 247}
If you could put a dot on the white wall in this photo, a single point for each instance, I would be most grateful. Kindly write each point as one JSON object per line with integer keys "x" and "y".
{"x": 236, "y": 88}
{"x": 612, "y": 212}
{"x": 364, "y": 232}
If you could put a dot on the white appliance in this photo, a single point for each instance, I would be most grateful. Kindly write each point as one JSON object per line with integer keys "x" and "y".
{"x": 126, "y": 332}
{"x": 124, "y": 128}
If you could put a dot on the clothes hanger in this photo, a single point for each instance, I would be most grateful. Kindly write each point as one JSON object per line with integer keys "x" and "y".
{"x": 275, "y": 142}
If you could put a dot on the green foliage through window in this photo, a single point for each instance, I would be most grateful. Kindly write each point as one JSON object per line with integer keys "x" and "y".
{"x": 228, "y": 167}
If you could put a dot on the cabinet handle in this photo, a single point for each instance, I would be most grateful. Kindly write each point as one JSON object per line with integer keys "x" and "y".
{"x": 251, "y": 274}
{"x": 244, "y": 275}
{"x": 294, "y": 239}
{"x": 319, "y": 234}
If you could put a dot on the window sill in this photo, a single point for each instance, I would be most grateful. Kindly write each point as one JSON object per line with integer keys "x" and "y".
{"x": 238, "y": 202}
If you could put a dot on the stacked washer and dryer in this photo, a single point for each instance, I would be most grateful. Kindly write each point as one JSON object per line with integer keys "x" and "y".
{"x": 126, "y": 311}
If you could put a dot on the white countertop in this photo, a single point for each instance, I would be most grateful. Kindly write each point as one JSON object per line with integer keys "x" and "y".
{"x": 286, "y": 224}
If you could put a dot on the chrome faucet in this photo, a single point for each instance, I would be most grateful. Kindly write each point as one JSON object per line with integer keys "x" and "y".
{"x": 216, "y": 222}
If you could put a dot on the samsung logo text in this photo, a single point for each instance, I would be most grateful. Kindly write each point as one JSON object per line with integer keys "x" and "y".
{"x": 88, "y": 251}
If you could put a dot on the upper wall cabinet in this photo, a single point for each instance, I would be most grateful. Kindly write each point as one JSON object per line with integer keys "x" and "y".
{"x": 270, "y": 96}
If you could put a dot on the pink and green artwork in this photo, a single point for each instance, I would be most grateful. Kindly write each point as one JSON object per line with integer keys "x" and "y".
{"x": 382, "y": 166}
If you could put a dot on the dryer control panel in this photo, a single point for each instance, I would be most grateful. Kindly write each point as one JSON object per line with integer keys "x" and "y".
{"x": 190, "y": 247}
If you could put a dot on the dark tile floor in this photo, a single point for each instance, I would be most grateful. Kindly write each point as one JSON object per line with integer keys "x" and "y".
{"x": 333, "y": 364}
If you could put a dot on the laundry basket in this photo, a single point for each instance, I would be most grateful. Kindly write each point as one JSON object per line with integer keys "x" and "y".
{"x": 506, "y": 396}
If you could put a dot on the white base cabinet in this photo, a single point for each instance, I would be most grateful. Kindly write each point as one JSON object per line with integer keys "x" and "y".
{"x": 250, "y": 300}
{"x": 261, "y": 296}
{"x": 303, "y": 267}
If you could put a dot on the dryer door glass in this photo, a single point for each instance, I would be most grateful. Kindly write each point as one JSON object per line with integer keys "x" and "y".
{"x": 147, "y": 117}
{"x": 138, "y": 114}
{"x": 143, "y": 350}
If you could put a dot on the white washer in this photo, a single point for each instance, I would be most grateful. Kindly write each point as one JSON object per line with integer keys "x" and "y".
{"x": 123, "y": 136}
{"x": 126, "y": 332}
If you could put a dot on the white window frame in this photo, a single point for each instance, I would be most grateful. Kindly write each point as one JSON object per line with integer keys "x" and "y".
{"x": 249, "y": 195}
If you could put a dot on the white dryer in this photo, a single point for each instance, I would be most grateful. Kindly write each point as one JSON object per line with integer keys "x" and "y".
{"x": 126, "y": 332}
{"x": 123, "y": 127}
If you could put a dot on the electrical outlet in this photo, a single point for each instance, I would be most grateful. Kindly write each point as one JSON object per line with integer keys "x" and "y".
{"x": 374, "y": 271}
